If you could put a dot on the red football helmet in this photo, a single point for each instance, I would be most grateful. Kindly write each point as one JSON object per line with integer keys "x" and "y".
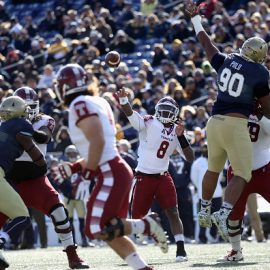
{"x": 70, "y": 79}
{"x": 30, "y": 96}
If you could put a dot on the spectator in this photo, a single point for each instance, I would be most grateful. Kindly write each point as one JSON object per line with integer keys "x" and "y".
{"x": 4, "y": 16}
{"x": 148, "y": 6}
{"x": 104, "y": 28}
{"x": 62, "y": 140}
{"x": 46, "y": 80}
{"x": 160, "y": 53}
{"x": 48, "y": 23}
{"x": 122, "y": 43}
{"x": 97, "y": 41}
{"x": 30, "y": 26}
{"x": 58, "y": 49}
{"x": 23, "y": 42}
{"x": 136, "y": 28}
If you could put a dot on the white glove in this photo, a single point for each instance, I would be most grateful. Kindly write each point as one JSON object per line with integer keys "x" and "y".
{"x": 82, "y": 192}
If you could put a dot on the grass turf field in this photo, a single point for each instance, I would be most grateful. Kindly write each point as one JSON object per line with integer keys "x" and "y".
{"x": 200, "y": 257}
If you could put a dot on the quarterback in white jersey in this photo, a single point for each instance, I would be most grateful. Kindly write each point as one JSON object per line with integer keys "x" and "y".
{"x": 33, "y": 185}
{"x": 159, "y": 135}
{"x": 92, "y": 129}
{"x": 259, "y": 129}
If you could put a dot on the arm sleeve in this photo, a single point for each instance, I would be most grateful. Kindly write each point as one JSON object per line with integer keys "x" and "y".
{"x": 218, "y": 60}
{"x": 137, "y": 121}
{"x": 26, "y": 129}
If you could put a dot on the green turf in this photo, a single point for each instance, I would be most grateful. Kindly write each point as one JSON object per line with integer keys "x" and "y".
{"x": 200, "y": 257}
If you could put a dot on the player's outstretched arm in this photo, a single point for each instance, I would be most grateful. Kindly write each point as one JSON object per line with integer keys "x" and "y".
{"x": 193, "y": 11}
{"x": 31, "y": 148}
{"x": 123, "y": 99}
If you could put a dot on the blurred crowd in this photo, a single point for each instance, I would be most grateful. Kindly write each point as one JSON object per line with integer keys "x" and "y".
{"x": 160, "y": 56}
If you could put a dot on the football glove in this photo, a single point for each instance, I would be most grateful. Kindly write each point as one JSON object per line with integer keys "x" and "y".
{"x": 66, "y": 169}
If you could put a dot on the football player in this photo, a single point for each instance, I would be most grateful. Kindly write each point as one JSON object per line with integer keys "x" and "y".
{"x": 259, "y": 129}
{"x": 240, "y": 78}
{"x": 16, "y": 136}
{"x": 33, "y": 185}
{"x": 159, "y": 136}
{"x": 92, "y": 130}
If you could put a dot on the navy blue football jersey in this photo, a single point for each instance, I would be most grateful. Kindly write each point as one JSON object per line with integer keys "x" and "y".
{"x": 239, "y": 82}
{"x": 10, "y": 149}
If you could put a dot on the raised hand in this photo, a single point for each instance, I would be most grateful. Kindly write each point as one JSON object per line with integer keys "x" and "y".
{"x": 192, "y": 9}
{"x": 122, "y": 93}
{"x": 179, "y": 130}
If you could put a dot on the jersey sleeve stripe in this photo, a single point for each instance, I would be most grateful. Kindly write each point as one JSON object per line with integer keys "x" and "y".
{"x": 26, "y": 133}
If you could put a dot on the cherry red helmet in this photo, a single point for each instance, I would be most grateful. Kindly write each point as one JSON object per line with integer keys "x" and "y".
{"x": 30, "y": 96}
{"x": 70, "y": 79}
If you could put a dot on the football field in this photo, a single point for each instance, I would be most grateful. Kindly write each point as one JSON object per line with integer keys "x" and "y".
{"x": 257, "y": 256}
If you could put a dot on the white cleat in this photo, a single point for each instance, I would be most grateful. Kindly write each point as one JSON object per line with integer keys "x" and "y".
{"x": 204, "y": 219}
{"x": 234, "y": 256}
{"x": 181, "y": 259}
{"x": 157, "y": 232}
{"x": 220, "y": 220}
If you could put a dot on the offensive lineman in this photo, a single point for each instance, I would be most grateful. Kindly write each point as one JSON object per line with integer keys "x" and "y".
{"x": 33, "y": 185}
{"x": 159, "y": 136}
{"x": 92, "y": 130}
{"x": 16, "y": 136}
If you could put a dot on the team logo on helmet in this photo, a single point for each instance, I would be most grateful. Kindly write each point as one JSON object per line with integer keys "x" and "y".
{"x": 13, "y": 107}
{"x": 167, "y": 110}
{"x": 31, "y": 98}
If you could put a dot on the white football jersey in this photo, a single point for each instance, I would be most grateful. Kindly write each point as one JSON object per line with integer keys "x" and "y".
{"x": 85, "y": 106}
{"x": 157, "y": 143}
{"x": 44, "y": 121}
{"x": 260, "y": 137}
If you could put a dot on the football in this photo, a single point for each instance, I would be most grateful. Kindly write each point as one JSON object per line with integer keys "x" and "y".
{"x": 112, "y": 59}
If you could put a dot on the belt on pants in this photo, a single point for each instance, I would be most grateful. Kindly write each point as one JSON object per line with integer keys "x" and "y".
{"x": 151, "y": 175}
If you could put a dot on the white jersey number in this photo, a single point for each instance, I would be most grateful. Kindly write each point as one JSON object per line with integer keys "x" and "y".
{"x": 231, "y": 82}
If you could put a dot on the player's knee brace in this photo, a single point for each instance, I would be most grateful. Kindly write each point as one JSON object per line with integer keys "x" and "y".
{"x": 114, "y": 228}
{"x": 234, "y": 227}
{"x": 60, "y": 219}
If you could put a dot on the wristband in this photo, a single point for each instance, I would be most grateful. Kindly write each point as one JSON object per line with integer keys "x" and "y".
{"x": 88, "y": 174}
{"x": 196, "y": 21}
{"x": 183, "y": 141}
{"x": 123, "y": 100}
{"x": 75, "y": 167}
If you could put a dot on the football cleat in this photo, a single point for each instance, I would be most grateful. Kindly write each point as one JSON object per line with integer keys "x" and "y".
{"x": 204, "y": 219}
{"x": 234, "y": 256}
{"x": 181, "y": 259}
{"x": 220, "y": 220}
{"x": 74, "y": 261}
{"x": 154, "y": 229}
